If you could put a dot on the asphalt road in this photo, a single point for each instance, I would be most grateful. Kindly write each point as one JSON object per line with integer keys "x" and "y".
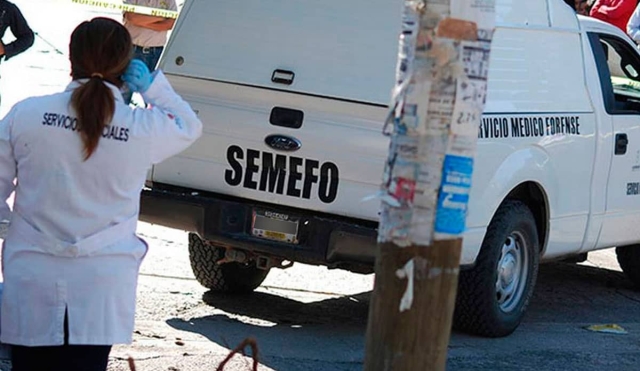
{"x": 311, "y": 318}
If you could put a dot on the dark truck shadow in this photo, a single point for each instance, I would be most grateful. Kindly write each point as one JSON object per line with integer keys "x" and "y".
{"x": 571, "y": 293}
{"x": 319, "y": 333}
{"x": 346, "y": 310}
{"x": 287, "y": 331}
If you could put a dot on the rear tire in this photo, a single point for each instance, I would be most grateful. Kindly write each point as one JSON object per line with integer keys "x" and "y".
{"x": 227, "y": 277}
{"x": 629, "y": 260}
{"x": 493, "y": 295}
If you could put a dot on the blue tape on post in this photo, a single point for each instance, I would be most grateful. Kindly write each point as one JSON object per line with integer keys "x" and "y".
{"x": 451, "y": 212}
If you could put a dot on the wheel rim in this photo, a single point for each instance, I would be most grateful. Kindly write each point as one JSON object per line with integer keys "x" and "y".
{"x": 513, "y": 269}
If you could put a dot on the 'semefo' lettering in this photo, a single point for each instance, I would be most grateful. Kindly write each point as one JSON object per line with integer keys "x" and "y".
{"x": 281, "y": 174}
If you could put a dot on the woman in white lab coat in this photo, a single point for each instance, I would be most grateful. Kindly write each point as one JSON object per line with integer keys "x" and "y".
{"x": 71, "y": 257}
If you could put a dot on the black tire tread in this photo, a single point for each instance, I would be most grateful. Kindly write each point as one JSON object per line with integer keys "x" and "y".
{"x": 629, "y": 260}
{"x": 228, "y": 277}
{"x": 476, "y": 288}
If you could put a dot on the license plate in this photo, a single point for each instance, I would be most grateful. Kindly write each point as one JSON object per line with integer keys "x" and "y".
{"x": 275, "y": 226}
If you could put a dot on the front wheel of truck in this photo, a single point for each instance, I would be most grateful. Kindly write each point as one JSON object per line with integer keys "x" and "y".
{"x": 629, "y": 260}
{"x": 493, "y": 295}
{"x": 227, "y": 277}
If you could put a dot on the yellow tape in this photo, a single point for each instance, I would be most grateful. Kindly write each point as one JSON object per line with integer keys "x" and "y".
{"x": 129, "y": 8}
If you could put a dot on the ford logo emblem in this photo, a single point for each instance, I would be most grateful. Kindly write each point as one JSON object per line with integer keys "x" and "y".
{"x": 283, "y": 142}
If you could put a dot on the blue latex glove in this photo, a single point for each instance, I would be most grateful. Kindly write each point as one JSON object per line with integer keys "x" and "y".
{"x": 137, "y": 76}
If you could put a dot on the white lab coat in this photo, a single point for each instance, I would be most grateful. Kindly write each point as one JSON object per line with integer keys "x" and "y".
{"x": 71, "y": 243}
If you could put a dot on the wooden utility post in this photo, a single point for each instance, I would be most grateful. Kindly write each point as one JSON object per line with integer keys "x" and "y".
{"x": 437, "y": 107}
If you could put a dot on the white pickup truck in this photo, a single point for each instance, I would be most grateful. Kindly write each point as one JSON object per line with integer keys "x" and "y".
{"x": 293, "y": 95}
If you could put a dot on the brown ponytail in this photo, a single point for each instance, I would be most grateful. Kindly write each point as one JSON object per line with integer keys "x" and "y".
{"x": 100, "y": 51}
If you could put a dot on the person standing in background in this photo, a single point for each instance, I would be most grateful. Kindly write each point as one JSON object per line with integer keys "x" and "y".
{"x": 615, "y": 12}
{"x": 11, "y": 18}
{"x": 149, "y": 33}
{"x": 581, "y": 7}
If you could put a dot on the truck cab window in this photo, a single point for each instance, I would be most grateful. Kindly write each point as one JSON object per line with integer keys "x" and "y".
{"x": 619, "y": 70}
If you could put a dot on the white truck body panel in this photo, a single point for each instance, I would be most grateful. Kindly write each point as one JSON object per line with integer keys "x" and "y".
{"x": 321, "y": 41}
{"x": 543, "y": 120}
{"x": 621, "y": 173}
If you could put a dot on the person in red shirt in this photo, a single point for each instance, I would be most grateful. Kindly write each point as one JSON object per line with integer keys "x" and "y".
{"x": 616, "y": 12}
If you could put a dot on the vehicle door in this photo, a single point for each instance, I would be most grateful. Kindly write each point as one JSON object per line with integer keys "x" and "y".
{"x": 619, "y": 69}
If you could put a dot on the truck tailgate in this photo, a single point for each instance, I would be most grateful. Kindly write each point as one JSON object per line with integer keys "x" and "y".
{"x": 339, "y": 162}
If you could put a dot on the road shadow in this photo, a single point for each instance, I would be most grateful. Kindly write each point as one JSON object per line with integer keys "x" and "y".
{"x": 349, "y": 310}
{"x": 291, "y": 335}
{"x": 333, "y": 329}
{"x": 572, "y": 293}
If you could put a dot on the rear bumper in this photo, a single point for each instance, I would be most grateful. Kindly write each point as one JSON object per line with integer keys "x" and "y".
{"x": 323, "y": 239}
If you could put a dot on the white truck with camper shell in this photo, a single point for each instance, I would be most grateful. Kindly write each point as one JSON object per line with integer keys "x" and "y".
{"x": 293, "y": 95}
